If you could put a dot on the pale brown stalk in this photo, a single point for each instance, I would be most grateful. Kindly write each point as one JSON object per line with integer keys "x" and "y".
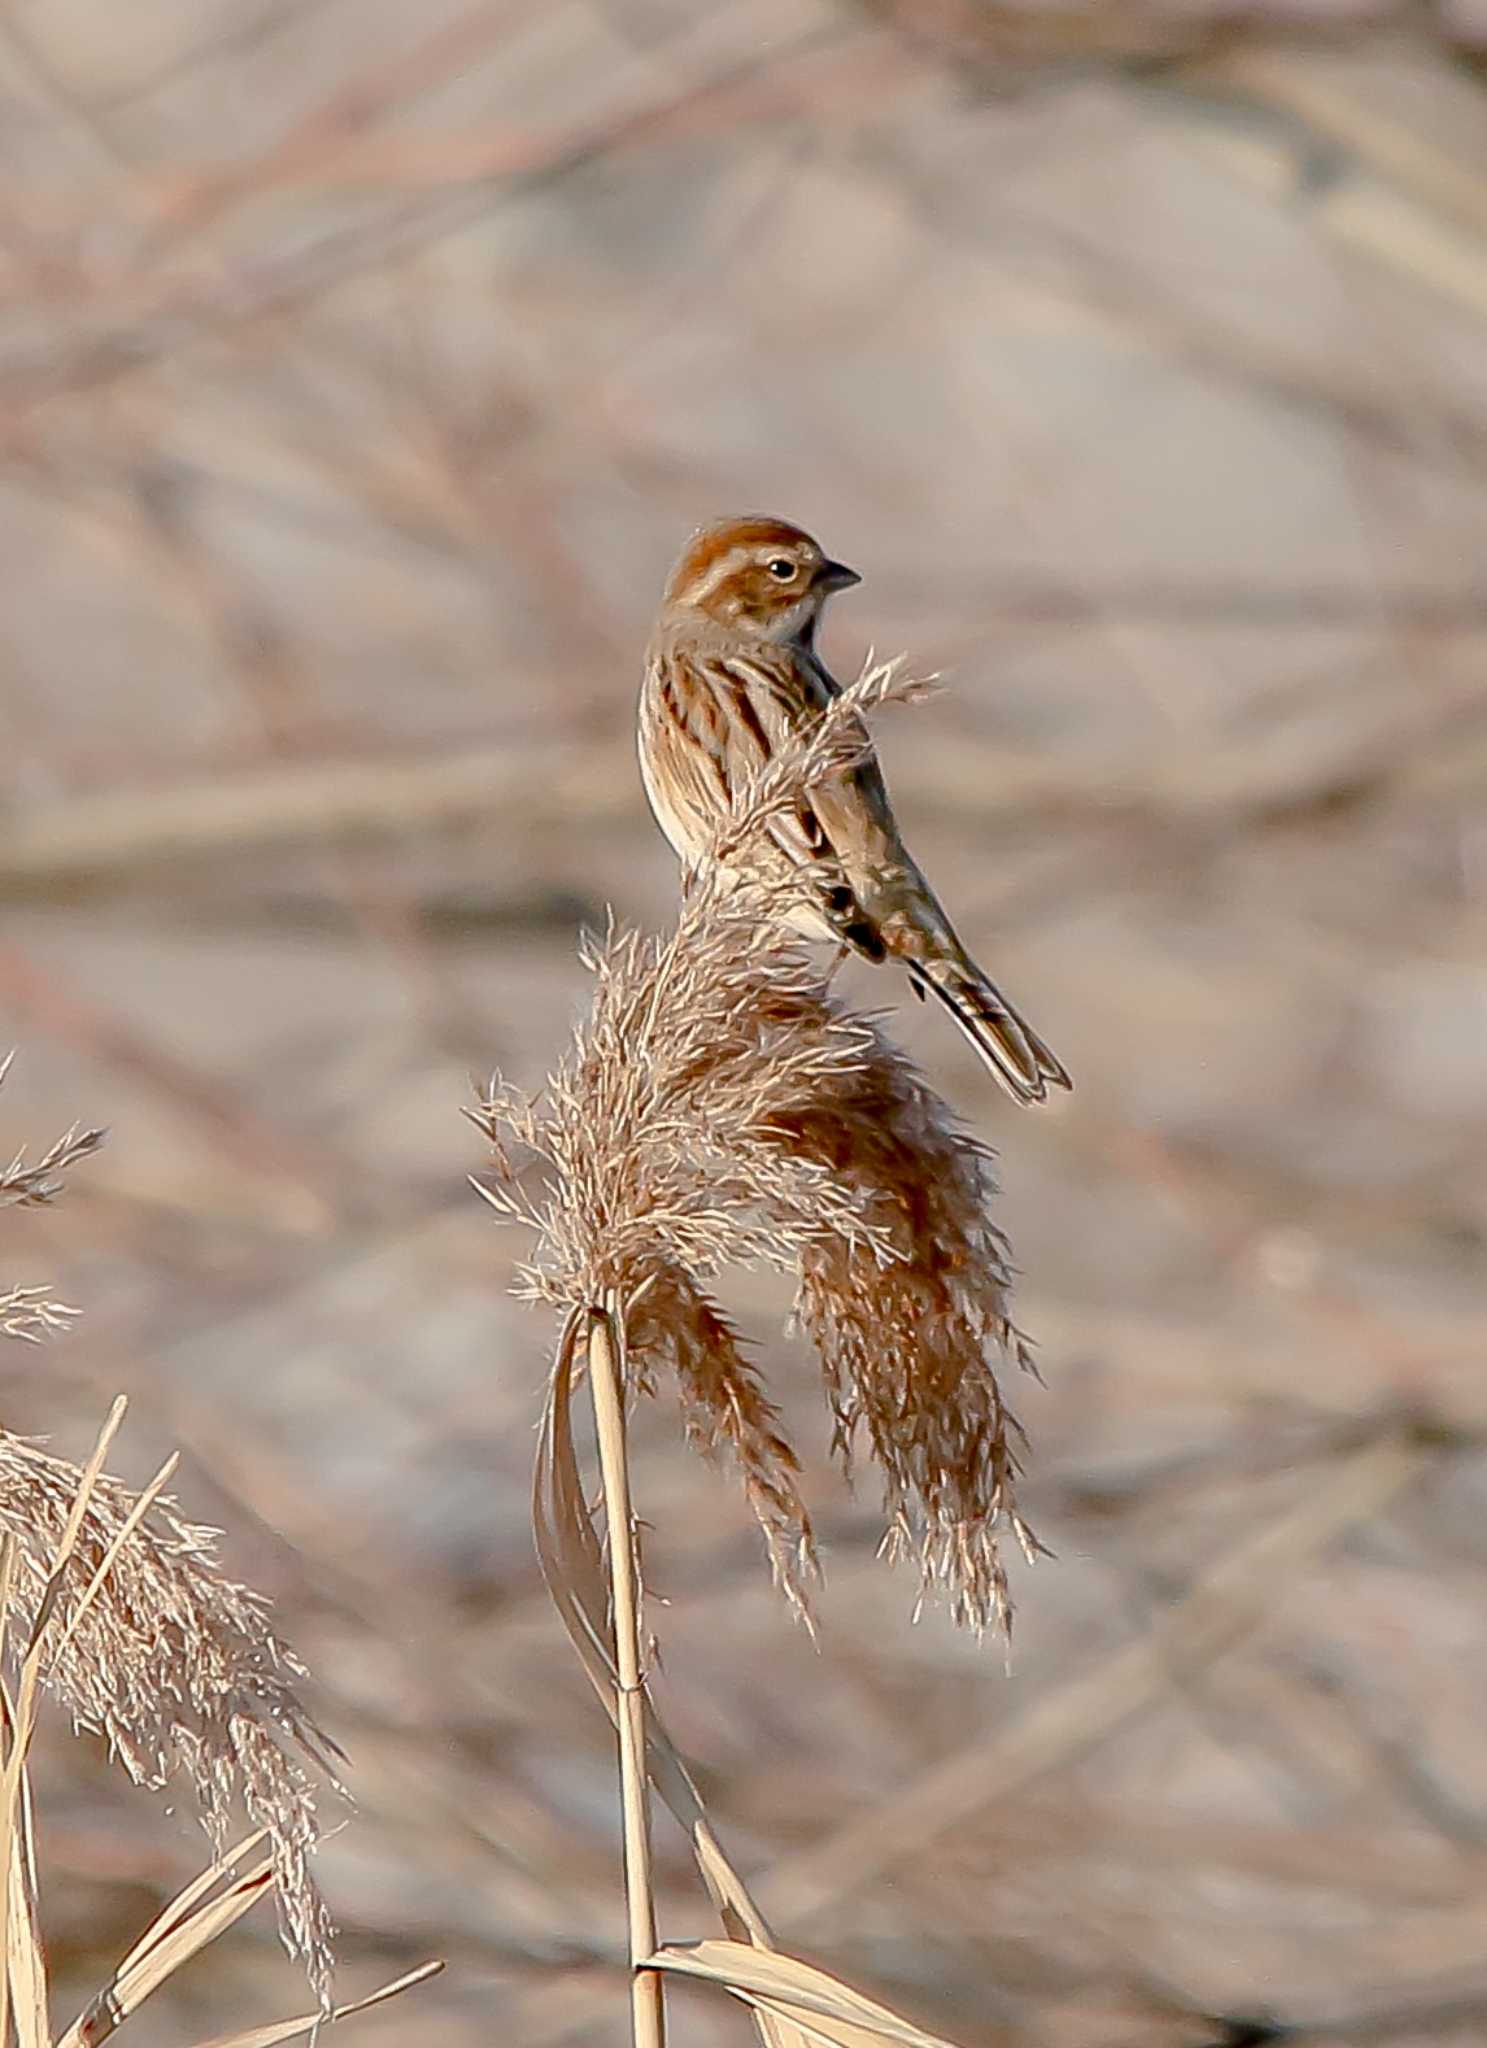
{"x": 647, "y": 2007}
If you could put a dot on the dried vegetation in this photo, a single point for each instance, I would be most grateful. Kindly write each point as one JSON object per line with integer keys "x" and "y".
{"x": 114, "y": 1605}
{"x": 723, "y": 1106}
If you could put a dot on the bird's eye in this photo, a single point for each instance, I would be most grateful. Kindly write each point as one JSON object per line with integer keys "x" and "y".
{"x": 782, "y": 568}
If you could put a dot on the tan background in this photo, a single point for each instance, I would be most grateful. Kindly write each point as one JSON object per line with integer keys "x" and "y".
{"x": 362, "y": 367}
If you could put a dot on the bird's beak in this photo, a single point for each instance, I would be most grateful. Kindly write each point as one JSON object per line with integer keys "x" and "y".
{"x": 835, "y": 576}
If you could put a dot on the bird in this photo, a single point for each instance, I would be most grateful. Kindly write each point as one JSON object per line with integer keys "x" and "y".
{"x": 731, "y": 670}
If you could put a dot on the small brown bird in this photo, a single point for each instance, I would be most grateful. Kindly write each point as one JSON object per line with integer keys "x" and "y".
{"x": 731, "y": 670}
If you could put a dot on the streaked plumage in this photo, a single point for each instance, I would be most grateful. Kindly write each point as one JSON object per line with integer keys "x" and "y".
{"x": 730, "y": 670}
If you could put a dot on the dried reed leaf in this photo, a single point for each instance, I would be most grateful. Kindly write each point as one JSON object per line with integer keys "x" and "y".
{"x": 179, "y": 1909}
{"x": 820, "y": 2005}
{"x": 174, "y": 1938}
{"x": 187, "y": 1937}
{"x": 24, "y": 1987}
{"x": 25, "y": 1967}
{"x": 307, "y": 2023}
{"x": 25, "y": 1961}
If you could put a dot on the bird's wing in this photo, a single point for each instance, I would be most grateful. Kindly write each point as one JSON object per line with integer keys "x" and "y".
{"x": 734, "y": 710}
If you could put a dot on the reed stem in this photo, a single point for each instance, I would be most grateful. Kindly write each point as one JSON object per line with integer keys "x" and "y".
{"x": 647, "y": 2005}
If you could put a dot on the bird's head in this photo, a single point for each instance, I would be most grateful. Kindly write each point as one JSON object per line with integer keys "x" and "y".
{"x": 757, "y": 576}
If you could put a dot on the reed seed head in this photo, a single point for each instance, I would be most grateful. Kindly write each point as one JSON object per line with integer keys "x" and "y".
{"x": 721, "y": 1105}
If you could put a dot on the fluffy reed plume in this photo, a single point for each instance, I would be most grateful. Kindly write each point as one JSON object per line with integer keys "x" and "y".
{"x": 174, "y": 1665}
{"x": 68, "y": 1621}
{"x": 722, "y": 1106}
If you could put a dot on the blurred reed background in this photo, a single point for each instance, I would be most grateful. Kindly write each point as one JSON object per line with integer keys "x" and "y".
{"x": 362, "y": 367}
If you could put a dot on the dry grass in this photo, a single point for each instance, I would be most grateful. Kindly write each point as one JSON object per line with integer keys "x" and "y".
{"x": 123, "y": 1616}
{"x": 174, "y": 1665}
{"x": 89, "y": 1573}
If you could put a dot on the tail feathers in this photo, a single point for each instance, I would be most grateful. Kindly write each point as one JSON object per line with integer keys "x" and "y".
{"x": 1016, "y": 1055}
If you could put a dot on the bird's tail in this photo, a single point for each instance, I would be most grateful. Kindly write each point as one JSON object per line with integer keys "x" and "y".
{"x": 1016, "y": 1055}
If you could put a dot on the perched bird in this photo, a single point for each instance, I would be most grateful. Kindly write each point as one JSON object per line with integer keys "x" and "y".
{"x": 731, "y": 670}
